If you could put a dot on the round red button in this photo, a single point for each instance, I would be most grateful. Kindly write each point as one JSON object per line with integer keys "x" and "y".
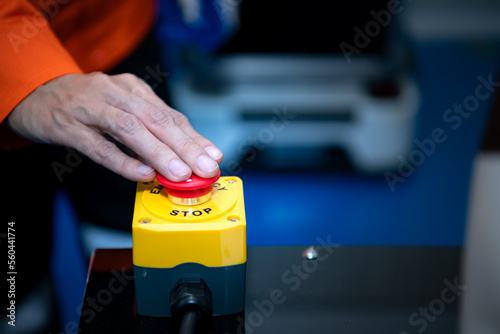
{"x": 193, "y": 187}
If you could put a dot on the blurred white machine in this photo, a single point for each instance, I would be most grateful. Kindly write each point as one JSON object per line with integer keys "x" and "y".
{"x": 283, "y": 93}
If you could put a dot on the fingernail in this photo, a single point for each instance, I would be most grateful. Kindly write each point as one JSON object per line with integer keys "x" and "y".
{"x": 178, "y": 168}
{"x": 214, "y": 152}
{"x": 145, "y": 170}
{"x": 206, "y": 164}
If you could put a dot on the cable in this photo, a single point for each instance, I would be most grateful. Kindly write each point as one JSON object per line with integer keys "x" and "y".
{"x": 190, "y": 301}
{"x": 188, "y": 324}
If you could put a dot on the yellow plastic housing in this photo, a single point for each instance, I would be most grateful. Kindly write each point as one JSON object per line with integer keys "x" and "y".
{"x": 212, "y": 234}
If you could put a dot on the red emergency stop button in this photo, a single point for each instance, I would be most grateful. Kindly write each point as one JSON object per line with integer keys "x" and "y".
{"x": 193, "y": 191}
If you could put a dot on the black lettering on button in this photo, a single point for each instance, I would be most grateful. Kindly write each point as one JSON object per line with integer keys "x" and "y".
{"x": 195, "y": 213}
{"x": 156, "y": 190}
{"x": 217, "y": 185}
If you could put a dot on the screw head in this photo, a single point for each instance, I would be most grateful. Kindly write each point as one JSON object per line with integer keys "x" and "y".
{"x": 145, "y": 221}
{"x": 310, "y": 253}
{"x": 234, "y": 220}
{"x": 148, "y": 183}
{"x": 230, "y": 181}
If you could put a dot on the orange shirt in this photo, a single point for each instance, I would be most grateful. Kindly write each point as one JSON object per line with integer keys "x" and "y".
{"x": 43, "y": 39}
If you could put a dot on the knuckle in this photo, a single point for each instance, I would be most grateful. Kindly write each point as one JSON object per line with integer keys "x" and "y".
{"x": 102, "y": 119}
{"x": 157, "y": 152}
{"x": 139, "y": 90}
{"x": 99, "y": 78}
{"x": 200, "y": 139}
{"x": 132, "y": 100}
{"x": 125, "y": 163}
{"x": 132, "y": 79}
{"x": 128, "y": 77}
{"x": 160, "y": 117}
{"x": 186, "y": 146}
{"x": 103, "y": 150}
{"x": 180, "y": 119}
{"x": 128, "y": 124}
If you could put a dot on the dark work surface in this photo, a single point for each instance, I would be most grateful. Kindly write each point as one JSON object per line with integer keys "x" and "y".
{"x": 346, "y": 289}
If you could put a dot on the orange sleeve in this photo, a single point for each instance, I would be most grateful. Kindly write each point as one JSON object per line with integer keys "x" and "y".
{"x": 30, "y": 53}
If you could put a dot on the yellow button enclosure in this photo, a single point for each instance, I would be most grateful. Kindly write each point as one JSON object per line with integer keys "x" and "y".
{"x": 212, "y": 234}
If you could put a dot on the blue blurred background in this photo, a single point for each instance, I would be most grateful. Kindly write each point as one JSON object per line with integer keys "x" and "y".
{"x": 429, "y": 208}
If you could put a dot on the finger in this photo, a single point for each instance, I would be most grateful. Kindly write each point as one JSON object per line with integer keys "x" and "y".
{"x": 130, "y": 131}
{"x": 105, "y": 153}
{"x": 160, "y": 122}
{"x": 207, "y": 145}
{"x": 139, "y": 87}
{"x": 183, "y": 123}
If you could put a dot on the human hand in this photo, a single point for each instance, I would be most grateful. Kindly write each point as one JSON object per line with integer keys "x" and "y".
{"x": 78, "y": 110}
